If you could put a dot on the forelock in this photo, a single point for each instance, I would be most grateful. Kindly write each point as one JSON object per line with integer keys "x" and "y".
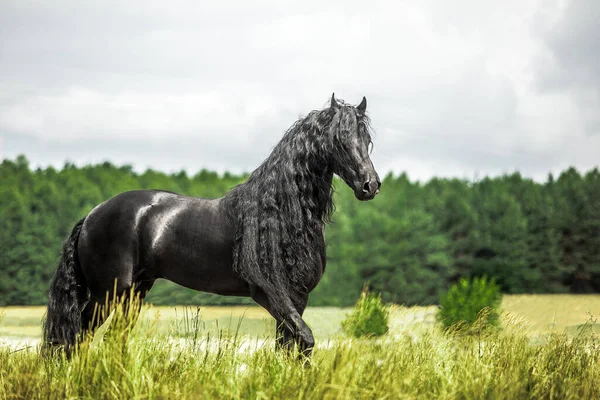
{"x": 348, "y": 119}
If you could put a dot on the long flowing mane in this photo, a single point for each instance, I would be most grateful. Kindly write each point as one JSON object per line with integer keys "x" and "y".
{"x": 280, "y": 211}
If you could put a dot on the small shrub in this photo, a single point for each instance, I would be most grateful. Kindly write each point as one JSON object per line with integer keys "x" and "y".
{"x": 471, "y": 302}
{"x": 368, "y": 318}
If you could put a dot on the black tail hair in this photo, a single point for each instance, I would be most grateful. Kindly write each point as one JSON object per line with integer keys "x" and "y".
{"x": 66, "y": 297}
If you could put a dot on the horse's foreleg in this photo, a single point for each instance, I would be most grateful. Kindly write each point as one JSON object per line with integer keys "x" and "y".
{"x": 290, "y": 325}
{"x": 285, "y": 337}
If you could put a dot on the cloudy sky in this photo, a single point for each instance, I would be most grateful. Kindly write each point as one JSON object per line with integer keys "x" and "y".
{"x": 461, "y": 88}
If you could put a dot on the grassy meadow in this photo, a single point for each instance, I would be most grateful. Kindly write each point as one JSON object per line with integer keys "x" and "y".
{"x": 548, "y": 349}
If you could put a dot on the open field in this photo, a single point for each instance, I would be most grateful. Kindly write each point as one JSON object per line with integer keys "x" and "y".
{"x": 555, "y": 313}
{"x": 540, "y": 314}
{"x": 173, "y": 354}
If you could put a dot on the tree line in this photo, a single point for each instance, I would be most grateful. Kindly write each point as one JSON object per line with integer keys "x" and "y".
{"x": 409, "y": 244}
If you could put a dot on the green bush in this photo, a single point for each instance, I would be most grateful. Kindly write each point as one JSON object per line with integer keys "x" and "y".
{"x": 471, "y": 302}
{"x": 368, "y": 318}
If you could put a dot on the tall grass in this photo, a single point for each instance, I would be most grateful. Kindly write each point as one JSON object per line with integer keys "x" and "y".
{"x": 141, "y": 364}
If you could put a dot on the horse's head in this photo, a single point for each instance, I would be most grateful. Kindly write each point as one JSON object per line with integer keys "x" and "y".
{"x": 350, "y": 136}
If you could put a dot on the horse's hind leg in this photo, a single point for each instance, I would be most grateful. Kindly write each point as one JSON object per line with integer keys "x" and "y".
{"x": 132, "y": 300}
{"x": 96, "y": 312}
{"x": 93, "y": 316}
{"x": 98, "y": 309}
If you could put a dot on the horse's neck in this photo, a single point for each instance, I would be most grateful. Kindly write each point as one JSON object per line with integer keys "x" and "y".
{"x": 314, "y": 183}
{"x": 320, "y": 190}
{"x": 314, "y": 186}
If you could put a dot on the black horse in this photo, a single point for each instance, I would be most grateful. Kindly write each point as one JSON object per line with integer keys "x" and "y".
{"x": 264, "y": 239}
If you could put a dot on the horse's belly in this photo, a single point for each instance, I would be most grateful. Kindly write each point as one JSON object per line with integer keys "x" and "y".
{"x": 211, "y": 277}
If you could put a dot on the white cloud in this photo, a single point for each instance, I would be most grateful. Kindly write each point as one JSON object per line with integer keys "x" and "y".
{"x": 453, "y": 89}
{"x": 85, "y": 113}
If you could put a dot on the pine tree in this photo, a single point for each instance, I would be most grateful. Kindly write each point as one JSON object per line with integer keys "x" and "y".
{"x": 502, "y": 246}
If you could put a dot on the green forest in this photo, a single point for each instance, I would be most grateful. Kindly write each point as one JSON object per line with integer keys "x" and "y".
{"x": 409, "y": 244}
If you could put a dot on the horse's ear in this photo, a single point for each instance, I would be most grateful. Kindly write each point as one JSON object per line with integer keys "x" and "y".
{"x": 363, "y": 105}
{"x": 334, "y": 103}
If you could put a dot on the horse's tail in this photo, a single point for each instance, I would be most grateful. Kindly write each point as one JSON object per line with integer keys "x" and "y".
{"x": 67, "y": 294}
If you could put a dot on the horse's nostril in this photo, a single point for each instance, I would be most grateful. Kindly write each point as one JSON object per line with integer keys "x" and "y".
{"x": 366, "y": 187}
